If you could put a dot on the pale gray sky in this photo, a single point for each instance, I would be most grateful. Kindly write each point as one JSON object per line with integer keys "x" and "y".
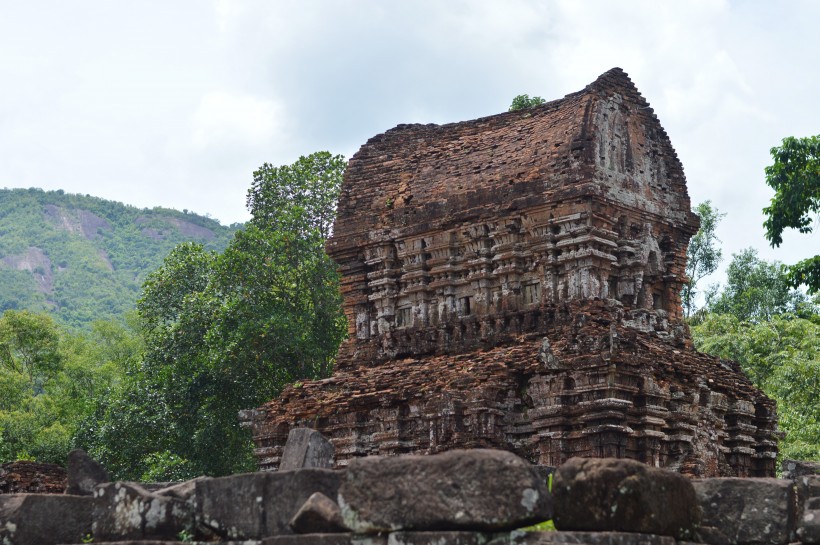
{"x": 175, "y": 103}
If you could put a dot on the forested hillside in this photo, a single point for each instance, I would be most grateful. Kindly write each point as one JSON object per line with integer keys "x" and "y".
{"x": 83, "y": 258}
{"x": 154, "y": 394}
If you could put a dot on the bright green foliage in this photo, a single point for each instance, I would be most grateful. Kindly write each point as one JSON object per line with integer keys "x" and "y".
{"x": 795, "y": 177}
{"x": 524, "y": 102}
{"x": 56, "y": 381}
{"x": 83, "y": 259}
{"x": 298, "y": 198}
{"x": 782, "y": 356}
{"x": 756, "y": 290}
{"x": 29, "y": 346}
{"x": 773, "y": 332}
{"x": 703, "y": 255}
{"x": 226, "y": 332}
{"x": 165, "y": 466}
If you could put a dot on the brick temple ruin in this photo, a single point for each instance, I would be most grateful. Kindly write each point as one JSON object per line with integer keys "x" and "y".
{"x": 513, "y": 282}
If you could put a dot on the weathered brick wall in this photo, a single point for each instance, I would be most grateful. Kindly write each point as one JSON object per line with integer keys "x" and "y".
{"x": 513, "y": 282}
{"x": 582, "y": 197}
{"x": 24, "y": 476}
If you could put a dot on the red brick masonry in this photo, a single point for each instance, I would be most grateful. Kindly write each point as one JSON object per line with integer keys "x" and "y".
{"x": 513, "y": 282}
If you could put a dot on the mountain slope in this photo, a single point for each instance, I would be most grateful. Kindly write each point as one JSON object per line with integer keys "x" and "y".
{"x": 83, "y": 258}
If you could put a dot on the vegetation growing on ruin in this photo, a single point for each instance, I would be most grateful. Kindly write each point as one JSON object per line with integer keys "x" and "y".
{"x": 525, "y": 102}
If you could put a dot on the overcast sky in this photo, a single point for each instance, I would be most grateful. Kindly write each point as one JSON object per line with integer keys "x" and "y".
{"x": 175, "y": 103}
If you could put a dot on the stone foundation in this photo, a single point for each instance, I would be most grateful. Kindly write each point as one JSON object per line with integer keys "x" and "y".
{"x": 472, "y": 497}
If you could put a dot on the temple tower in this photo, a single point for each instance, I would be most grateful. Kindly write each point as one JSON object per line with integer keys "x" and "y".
{"x": 513, "y": 282}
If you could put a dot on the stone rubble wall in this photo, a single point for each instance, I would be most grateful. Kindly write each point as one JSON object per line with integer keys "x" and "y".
{"x": 587, "y": 379}
{"x": 462, "y": 497}
{"x": 25, "y": 476}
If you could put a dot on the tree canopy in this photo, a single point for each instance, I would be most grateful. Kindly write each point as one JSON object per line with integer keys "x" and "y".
{"x": 703, "y": 255}
{"x": 756, "y": 290}
{"x": 782, "y": 357}
{"x": 795, "y": 177}
{"x": 225, "y": 332}
{"x": 773, "y": 332}
{"x": 56, "y": 381}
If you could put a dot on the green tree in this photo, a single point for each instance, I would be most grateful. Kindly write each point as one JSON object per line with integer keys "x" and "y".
{"x": 39, "y": 422}
{"x": 135, "y": 427}
{"x": 30, "y": 346}
{"x": 225, "y": 332}
{"x": 524, "y": 102}
{"x": 703, "y": 255}
{"x": 299, "y": 198}
{"x": 757, "y": 291}
{"x": 782, "y": 357}
{"x": 795, "y": 177}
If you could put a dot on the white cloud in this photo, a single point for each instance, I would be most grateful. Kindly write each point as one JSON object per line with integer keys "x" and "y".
{"x": 176, "y": 104}
{"x": 229, "y": 120}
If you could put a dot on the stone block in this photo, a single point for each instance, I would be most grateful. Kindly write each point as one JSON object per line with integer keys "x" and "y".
{"x": 582, "y": 538}
{"x": 165, "y": 542}
{"x": 319, "y": 515}
{"x": 477, "y": 489}
{"x": 792, "y": 469}
{"x": 306, "y": 448}
{"x": 289, "y": 490}
{"x": 326, "y": 539}
{"x": 622, "y": 495}
{"x": 808, "y": 487}
{"x": 808, "y": 531}
{"x": 746, "y": 511}
{"x": 232, "y": 507}
{"x": 185, "y": 491}
{"x": 84, "y": 473}
{"x": 257, "y": 505}
{"x": 437, "y": 538}
{"x": 124, "y": 511}
{"x": 44, "y": 519}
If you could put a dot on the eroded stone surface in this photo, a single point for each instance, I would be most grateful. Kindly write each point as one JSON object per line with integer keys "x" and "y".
{"x": 809, "y": 529}
{"x": 306, "y": 448}
{"x": 44, "y": 519}
{"x": 793, "y": 469}
{"x": 475, "y": 489}
{"x": 759, "y": 511}
{"x": 513, "y": 282}
{"x": 84, "y": 473}
{"x": 318, "y": 515}
{"x": 438, "y": 538}
{"x": 258, "y": 505}
{"x": 327, "y": 539}
{"x": 185, "y": 490}
{"x": 126, "y": 511}
{"x": 624, "y": 495}
{"x": 584, "y": 538}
